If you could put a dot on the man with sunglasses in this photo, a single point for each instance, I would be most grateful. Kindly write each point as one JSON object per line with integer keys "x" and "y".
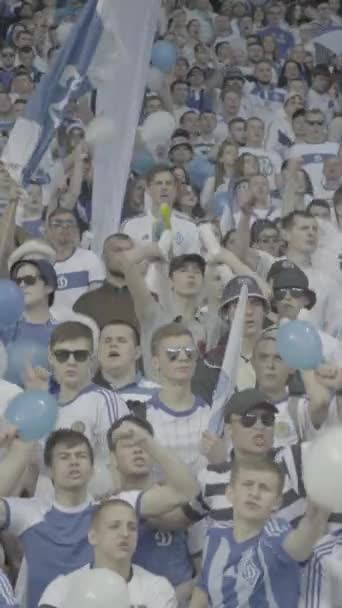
{"x": 291, "y": 297}
{"x": 316, "y": 149}
{"x": 38, "y": 281}
{"x": 179, "y": 418}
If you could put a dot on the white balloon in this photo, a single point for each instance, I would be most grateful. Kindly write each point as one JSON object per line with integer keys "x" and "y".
{"x": 97, "y": 588}
{"x": 101, "y": 483}
{"x": 155, "y": 79}
{"x": 322, "y": 460}
{"x": 3, "y": 360}
{"x": 100, "y": 130}
{"x": 157, "y": 129}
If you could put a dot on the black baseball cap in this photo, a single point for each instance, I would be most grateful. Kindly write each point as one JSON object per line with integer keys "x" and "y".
{"x": 279, "y": 266}
{"x": 295, "y": 278}
{"x": 249, "y": 399}
{"x": 232, "y": 290}
{"x": 187, "y": 258}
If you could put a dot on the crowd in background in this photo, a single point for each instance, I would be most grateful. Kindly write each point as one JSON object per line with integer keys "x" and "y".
{"x": 236, "y": 180}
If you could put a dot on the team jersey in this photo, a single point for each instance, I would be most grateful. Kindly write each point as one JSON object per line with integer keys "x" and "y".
{"x": 256, "y": 573}
{"x": 284, "y": 39}
{"x": 322, "y": 578}
{"x": 7, "y": 597}
{"x": 164, "y": 553}
{"x": 54, "y": 538}
{"x": 313, "y": 156}
{"x": 185, "y": 236}
{"x": 31, "y": 332}
{"x": 212, "y": 501}
{"x": 75, "y": 275}
{"x": 180, "y": 431}
{"x": 145, "y": 590}
{"x": 266, "y": 101}
{"x": 269, "y": 162}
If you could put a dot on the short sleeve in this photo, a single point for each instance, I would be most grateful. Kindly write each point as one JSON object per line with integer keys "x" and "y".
{"x": 270, "y": 546}
{"x": 23, "y": 513}
{"x": 162, "y": 594}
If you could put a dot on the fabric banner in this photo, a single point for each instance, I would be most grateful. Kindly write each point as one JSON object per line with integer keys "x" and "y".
{"x": 119, "y": 99}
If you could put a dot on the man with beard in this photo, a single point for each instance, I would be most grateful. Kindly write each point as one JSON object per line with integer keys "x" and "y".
{"x": 112, "y": 299}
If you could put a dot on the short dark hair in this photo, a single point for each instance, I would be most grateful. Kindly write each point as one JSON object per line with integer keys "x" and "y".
{"x": 267, "y": 465}
{"x": 318, "y": 202}
{"x": 179, "y": 81}
{"x": 61, "y": 211}
{"x": 115, "y": 322}
{"x": 144, "y": 424}
{"x": 289, "y": 220}
{"x": 258, "y": 227}
{"x": 298, "y": 113}
{"x": 107, "y": 504}
{"x": 172, "y": 330}
{"x": 120, "y": 236}
{"x": 71, "y": 330}
{"x": 155, "y": 171}
{"x": 70, "y": 439}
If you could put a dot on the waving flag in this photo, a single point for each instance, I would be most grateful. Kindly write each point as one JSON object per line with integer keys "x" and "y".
{"x": 66, "y": 80}
{"x": 228, "y": 375}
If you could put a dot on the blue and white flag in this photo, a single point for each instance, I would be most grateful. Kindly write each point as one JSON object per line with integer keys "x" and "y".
{"x": 228, "y": 375}
{"x": 65, "y": 81}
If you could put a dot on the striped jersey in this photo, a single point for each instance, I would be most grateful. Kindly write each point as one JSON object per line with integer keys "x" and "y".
{"x": 180, "y": 431}
{"x": 7, "y": 597}
{"x": 322, "y": 578}
{"x": 75, "y": 275}
{"x": 213, "y": 503}
{"x": 256, "y": 573}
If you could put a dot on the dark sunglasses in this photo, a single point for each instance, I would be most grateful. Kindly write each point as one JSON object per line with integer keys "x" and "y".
{"x": 63, "y": 355}
{"x": 248, "y": 420}
{"x": 28, "y": 280}
{"x": 295, "y": 292}
{"x": 173, "y": 353}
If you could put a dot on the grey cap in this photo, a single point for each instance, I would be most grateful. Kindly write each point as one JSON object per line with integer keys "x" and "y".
{"x": 232, "y": 290}
{"x": 244, "y": 401}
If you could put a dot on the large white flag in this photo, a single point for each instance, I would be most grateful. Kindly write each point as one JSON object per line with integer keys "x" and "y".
{"x": 228, "y": 375}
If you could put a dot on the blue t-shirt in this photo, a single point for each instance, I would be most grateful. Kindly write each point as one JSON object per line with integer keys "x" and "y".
{"x": 257, "y": 573}
{"x": 165, "y": 554}
{"x": 30, "y": 332}
{"x": 284, "y": 39}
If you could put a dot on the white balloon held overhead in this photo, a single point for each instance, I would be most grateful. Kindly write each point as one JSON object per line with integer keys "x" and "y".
{"x": 157, "y": 129}
{"x": 97, "y": 588}
{"x": 323, "y": 470}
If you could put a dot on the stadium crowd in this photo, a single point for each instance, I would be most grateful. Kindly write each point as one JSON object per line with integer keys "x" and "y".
{"x": 242, "y": 186}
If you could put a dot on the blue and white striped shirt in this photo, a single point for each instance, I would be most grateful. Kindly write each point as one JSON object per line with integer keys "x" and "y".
{"x": 7, "y": 597}
{"x": 257, "y": 573}
{"x": 322, "y": 580}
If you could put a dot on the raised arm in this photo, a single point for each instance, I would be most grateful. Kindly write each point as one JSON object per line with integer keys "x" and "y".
{"x": 179, "y": 486}
{"x": 300, "y": 542}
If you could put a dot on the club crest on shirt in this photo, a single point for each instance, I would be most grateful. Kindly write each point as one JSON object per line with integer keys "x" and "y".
{"x": 163, "y": 539}
{"x": 248, "y": 569}
{"x": 78, "y": 426}
{"x": 62, "y": 282}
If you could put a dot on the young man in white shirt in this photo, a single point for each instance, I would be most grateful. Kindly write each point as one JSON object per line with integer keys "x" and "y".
{"x": 54, "y": 531}
{"x": 119, "y": 355}
{"x": 179, "y": 418}
{"x": 269, "y": 161}
{"x": 77, "y": 269}
{"x": 161, "y": 187}
{"x": 113, "y": 534}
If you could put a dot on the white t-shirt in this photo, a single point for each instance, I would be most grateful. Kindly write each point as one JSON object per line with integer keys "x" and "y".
{"x": 269, "y": 162}
{"x": 185, "y": 236}
{"x": 145, "y": 590}
{"x": 313, "y": 156}
{"x": 75, "y": 275}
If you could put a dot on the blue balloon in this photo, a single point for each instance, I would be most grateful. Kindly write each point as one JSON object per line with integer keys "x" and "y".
{"x": 142, "y": 162}
{"x": 219, "y": 203}
{"x": 299, "y": 345}
{"x": 23, "y": 353}
{"x": 11, "y": 303}
{"x": 199, "y": 169}
{"x": 164, "y": 55}
{"x": 34, "y": 413}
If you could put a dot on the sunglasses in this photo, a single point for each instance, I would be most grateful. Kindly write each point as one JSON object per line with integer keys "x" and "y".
{"x": 173, "y": 353}
{"x": 295, "y": 292}
{"x": 28, "y": 280}
{"x": 249, "y": 420}
{"x": 64, "y": 355}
